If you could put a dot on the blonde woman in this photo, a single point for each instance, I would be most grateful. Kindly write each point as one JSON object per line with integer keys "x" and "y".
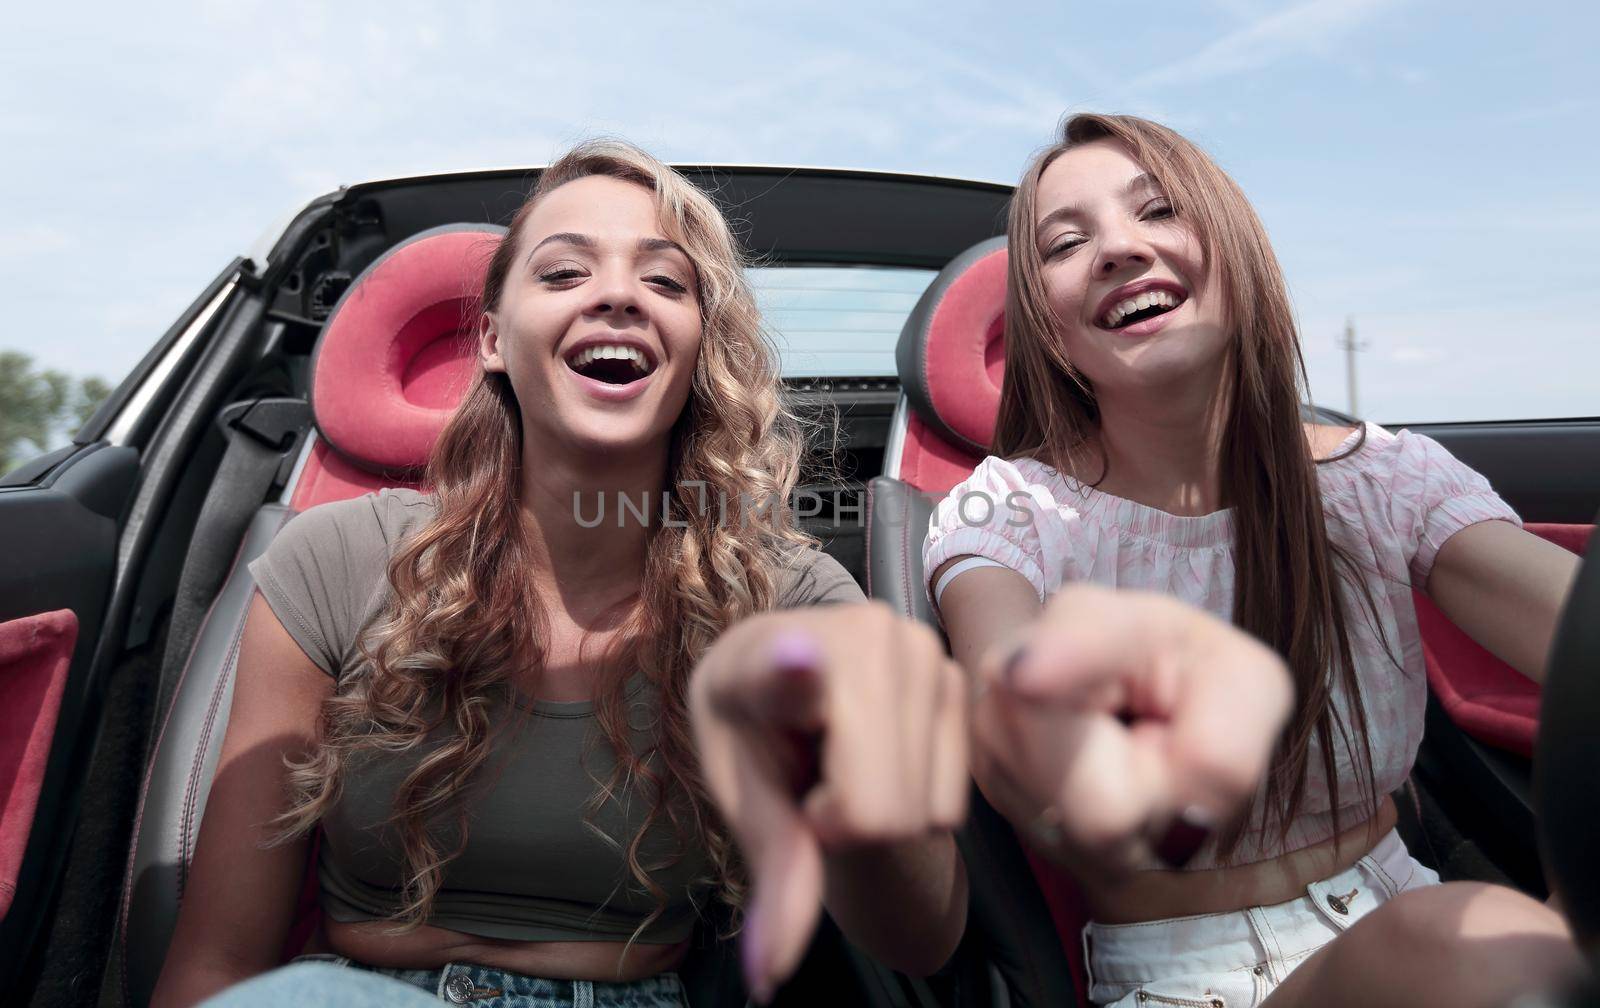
{"x": 483, "y": 702}
{"x": 1150, "y": 431}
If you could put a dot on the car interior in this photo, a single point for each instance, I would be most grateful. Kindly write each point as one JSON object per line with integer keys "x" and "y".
{"x": 323, "y": 366}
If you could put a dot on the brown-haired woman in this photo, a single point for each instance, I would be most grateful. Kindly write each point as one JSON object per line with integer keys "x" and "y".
{"x": 1150, "y": 436}
{"x": 483, "y": 701}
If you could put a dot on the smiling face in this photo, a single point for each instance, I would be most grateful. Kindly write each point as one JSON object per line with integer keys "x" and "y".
{"x": 598, "y": 324}
{"x": 1124, "y": 277}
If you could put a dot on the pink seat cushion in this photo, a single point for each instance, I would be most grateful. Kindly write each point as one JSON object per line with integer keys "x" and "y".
{"x": 964, "y": 356}
{"x": 400, "y": 350}
{"x": 328, "y": 476}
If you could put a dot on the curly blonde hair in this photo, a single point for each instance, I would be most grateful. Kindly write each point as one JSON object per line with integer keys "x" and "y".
{"x": 463, "y": 614}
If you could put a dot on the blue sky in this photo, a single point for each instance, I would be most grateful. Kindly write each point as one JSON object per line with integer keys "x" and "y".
{"x": 1425, "y": 167}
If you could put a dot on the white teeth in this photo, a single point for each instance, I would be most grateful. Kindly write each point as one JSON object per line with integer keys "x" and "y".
{"x": 612, "y": 352}
{"x": 1130, "y": 305}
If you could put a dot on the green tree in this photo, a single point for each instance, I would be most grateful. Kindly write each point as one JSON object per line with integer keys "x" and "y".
{"x": 36, "y": 403}
{"x": 91, "y": 393}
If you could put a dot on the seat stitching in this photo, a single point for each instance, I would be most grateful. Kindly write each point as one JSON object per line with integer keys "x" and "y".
{"x": 905, "y": 563}
{"x": 868, "y": 539}
{"x": 149, "y": 772}
{"x": 191, "y": 789}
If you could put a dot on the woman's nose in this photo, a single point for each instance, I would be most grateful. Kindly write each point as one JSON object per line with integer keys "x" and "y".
{"x": 617, "y": 295}
{"x": 1120, "y": 248}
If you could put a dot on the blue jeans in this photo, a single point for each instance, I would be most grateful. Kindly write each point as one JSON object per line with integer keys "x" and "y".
{"x": 327, "y": 981}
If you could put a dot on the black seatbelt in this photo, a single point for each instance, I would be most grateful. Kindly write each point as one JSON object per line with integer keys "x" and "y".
{"x": 262, "y": 437}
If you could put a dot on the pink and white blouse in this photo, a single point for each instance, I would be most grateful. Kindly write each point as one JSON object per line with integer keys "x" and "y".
{"x": 1390, "y": 504}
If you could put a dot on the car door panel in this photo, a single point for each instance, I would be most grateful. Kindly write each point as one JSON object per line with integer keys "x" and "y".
{"x": 58, "y": 552}
{"x": 35, "y": 654}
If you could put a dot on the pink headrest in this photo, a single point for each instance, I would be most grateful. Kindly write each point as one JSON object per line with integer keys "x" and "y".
{"x": 398, "y": 352}
{"x": 951, "y": 355}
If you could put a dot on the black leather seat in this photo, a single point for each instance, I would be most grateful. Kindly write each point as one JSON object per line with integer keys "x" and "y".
{"x": 178, "y": 777}
{"x": 949, "y": 358}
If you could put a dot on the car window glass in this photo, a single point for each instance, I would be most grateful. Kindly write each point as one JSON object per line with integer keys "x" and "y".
{"x": 837, "y": 320}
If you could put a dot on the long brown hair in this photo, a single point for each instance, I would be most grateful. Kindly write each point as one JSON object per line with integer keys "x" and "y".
{"x": 1287, "y": 590}
{"x": 463, "y": 615}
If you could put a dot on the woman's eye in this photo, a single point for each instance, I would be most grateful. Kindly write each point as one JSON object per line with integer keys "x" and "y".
{"x": 1157, "y": 210}
{"x": 669, "y": 283}
{"x": 559, "y": 275}
{"x": 1064, "y": 246}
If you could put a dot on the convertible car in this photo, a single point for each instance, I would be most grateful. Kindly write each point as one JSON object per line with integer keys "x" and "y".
{"x": 322, "y": 364}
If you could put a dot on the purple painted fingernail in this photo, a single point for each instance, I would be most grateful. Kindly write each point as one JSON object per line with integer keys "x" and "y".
{"x": 794, "y": 649}
{"x": 1184, "y": 838}
{"x": 751, "y": 962}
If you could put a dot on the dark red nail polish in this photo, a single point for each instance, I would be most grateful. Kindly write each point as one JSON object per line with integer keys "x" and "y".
{"x": 1184, "y": 838}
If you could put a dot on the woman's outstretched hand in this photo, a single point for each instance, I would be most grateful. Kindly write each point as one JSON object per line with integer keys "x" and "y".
{"x": 834, "y": 742}
{"x": 1120, "y": 727}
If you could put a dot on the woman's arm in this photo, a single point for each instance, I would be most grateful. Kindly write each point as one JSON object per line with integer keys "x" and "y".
{"x": 984, "y": 609}
{"x": 239, "y": 898}
{"x": 1505, "y": 587}
{"x": 833, "y": 740}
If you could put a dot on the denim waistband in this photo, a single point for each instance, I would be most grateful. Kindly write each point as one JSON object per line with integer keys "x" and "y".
{"x": 466, "y": 983}
{"x": 1238, "y": 939}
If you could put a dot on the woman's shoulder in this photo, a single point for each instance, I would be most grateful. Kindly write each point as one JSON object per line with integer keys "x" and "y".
{"x": 1393, "y": 459}
{"x": 1021, "y": 472}
{"x": 811, "y": 577}
{"x": 379, "y": 518}
{"x": 342, "y": 546}
{"x": 324, "y": 574}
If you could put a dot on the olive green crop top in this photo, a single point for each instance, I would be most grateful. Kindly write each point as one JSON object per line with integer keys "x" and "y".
{"x": 534, "y": 868}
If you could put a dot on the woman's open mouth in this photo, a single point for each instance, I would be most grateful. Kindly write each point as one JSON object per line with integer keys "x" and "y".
{"x": 1140, "y": 307}
{"x": 612, "y": 363}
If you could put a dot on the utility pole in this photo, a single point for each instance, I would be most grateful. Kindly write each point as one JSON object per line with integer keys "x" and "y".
{"x": 1350, "y": 345}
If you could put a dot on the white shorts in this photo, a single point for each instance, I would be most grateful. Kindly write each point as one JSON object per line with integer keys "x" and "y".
{"x": 1235, "y": 959}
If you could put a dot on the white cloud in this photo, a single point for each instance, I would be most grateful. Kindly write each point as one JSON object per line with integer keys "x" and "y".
{"x": 1309, "y": 27}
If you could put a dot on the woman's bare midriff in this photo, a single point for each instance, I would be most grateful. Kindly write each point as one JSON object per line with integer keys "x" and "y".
{"x": 1156, "y": 895}
{"x": 432, "y": 947}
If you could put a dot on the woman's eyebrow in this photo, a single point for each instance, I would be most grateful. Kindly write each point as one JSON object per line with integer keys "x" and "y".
{"x": 1142, "y": 181}
{"x": 661, "y": 245}
{"x": 1054, "y": 217}
{"x": 565, "y": 238}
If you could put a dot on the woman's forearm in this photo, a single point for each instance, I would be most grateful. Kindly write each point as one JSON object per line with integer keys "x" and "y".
{"x": 188, "y": 980}
{"x": 904, "y": 904}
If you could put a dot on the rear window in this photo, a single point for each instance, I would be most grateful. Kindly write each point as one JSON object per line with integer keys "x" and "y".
{"x": 837, "y": 321}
